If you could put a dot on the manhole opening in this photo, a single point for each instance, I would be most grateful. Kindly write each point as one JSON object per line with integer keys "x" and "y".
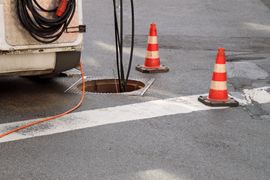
{"x": 110, "y": 86}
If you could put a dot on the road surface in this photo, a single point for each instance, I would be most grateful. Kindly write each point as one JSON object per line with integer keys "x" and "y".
{"x": 165, "y": 134}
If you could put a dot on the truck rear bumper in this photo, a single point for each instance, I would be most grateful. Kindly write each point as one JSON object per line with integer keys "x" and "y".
{"x": 38, "y": 63}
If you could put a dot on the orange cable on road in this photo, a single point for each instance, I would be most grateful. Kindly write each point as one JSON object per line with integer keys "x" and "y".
{"x": 52, "y": 117}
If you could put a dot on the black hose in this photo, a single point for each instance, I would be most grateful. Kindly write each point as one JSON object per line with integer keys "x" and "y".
{"x": 123, "y": 80}
{"x": 121, "y": 47}
{"x": 117, "y": 44}
{"x": 44, "y": 30}
{"x": 132, "y": 40}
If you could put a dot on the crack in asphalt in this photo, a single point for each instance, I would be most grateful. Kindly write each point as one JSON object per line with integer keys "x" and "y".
{"x": 233, "y": 44}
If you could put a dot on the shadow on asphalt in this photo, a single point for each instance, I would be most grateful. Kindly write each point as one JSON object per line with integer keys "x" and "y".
{"x": 24, "y": 98}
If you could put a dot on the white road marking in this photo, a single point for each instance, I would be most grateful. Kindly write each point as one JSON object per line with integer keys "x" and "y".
{"x": 260, "y": 27}
{"x": 259, "y": 95}
{"x": 118, "y": 114}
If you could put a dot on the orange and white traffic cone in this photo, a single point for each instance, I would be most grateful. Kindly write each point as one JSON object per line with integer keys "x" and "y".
{"x": 218, "y": 93}
{"x": 152, "y": 60}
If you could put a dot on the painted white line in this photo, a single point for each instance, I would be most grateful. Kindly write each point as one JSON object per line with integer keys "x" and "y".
{"x": 112, "y": 115}
{"x": 98, "y": 117}
{"x": 260, "y": 27}
{"x": 259, "y": 95}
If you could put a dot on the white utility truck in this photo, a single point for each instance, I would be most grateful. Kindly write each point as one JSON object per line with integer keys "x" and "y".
{"x": 40, "y": 37}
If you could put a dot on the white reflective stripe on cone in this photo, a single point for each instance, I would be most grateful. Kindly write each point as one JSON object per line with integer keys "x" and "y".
{"x": 152, "y": 54}
{"x": 220, "y": 86}
{"x": 152, "y": 40}
{"x": 220, "y": 68}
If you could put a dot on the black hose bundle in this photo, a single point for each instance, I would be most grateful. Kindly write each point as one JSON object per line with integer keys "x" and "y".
{"x": 123, "y": 80}
{"x": 45, "y": 30}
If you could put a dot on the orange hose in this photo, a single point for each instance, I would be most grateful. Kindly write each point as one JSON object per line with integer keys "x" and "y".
{"x": 52, "y": 117}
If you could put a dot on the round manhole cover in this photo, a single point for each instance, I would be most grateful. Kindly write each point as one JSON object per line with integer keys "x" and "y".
{"x": 110, "y": 86}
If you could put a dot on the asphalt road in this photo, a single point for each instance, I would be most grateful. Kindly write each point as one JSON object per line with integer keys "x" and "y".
{"x": 231, "y": 143}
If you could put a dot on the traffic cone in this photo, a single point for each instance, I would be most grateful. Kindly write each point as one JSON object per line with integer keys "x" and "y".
{"x": 152, "y": 60}
{"x": 218, "y": 93}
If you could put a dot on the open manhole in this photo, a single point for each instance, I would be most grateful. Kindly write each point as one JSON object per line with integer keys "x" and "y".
{"x": 111, "y": 86}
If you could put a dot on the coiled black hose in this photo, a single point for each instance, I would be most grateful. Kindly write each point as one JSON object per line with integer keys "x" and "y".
{"x": 44, "y": 30}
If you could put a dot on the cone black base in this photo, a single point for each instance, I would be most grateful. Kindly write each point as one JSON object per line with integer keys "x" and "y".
{"x": 230, "y": 103}
{"x": 161, "y": 69}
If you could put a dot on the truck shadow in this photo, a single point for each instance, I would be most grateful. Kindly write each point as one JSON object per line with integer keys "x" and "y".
{"x": 24, "y": 98}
